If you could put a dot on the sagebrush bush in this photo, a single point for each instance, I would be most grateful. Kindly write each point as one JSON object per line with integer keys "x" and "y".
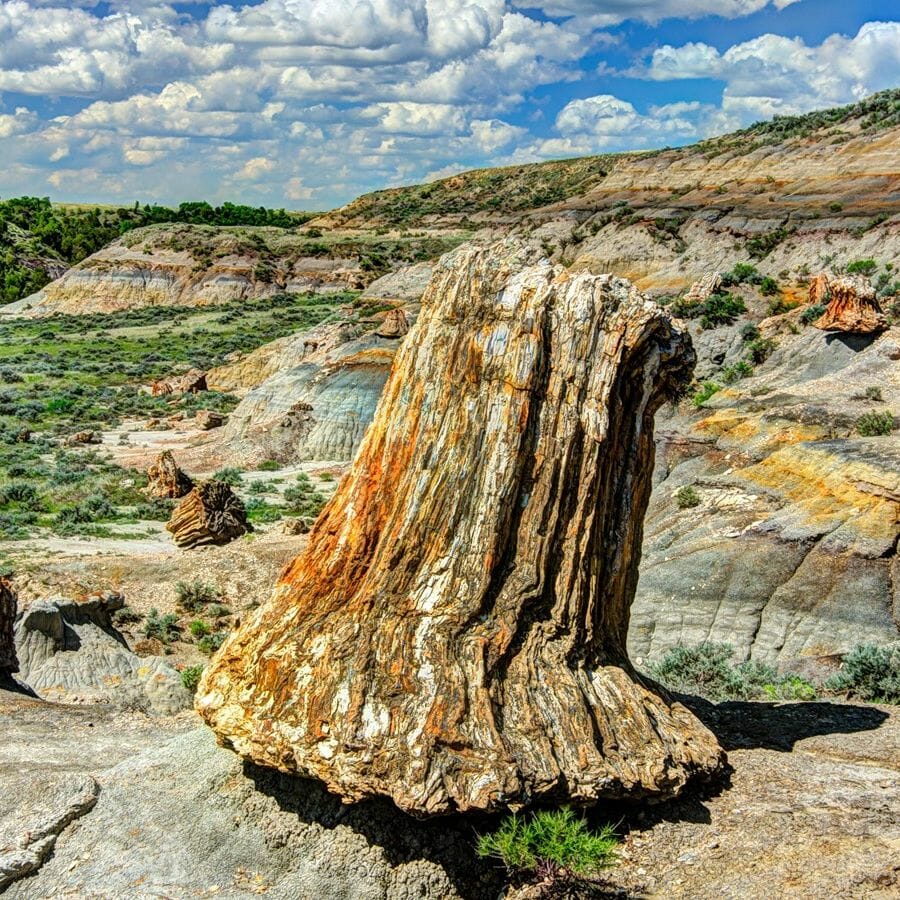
{"x": 192, "y": 596}
{"x": 162, "y": 628}
{"x": 190, "y": 677}
{"x": 552, "y": 845}
{"x": 228, "y": 475}
{"x": 687, "y": 497}
{"x": 812, "y": 313}
{"x": 870, "y": 673}
{"x": 707, "y": 669}
{"x": 875, "y": 424}
{"x": 704, "y": 392}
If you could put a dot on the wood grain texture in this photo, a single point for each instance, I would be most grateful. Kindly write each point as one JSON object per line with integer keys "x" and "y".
{"x": 8, "y": 661}
{"x": 454, "y": 634}
{"x": 166, "y": 480}
{"x": 210, "y": 514}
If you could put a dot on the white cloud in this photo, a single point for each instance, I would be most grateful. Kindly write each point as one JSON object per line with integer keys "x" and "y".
{"x": 20, "y": 121}
{"x": 612, "y": 12}
{"x": 772, "y": 74}
{"x": 295, "y": 189}
{"x": 255, "y": 168}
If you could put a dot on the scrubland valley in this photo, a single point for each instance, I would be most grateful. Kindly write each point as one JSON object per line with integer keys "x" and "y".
{"x": 184, "y": 391}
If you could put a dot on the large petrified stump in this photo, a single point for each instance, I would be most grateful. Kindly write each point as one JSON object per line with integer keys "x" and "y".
{"x": 454, "y": 634}
{"x": 210, "y": 514}
{"x": 8, "y": 661}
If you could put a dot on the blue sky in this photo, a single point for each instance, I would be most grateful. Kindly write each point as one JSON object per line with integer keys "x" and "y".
{"x": 308, "y": 103}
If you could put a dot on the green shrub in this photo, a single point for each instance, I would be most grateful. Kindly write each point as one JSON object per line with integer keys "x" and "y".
{"x": 811, "y": 313}
{"x": 862, "y": 267}
{"x": 873, "y": 392}
{"x": 704, "y": 392}
{"x": 870, "y": 673}
{"x": 228, "y": 475}
{"x": 749, "y": 332}
{"x": 22, "y": 494}
{"x": 163, "y": 628}
{"x": 760, "y": 350}
{"x": 259, "y": 510}
{"x": 875, "y": 424}
{"x": 741, "y": 273}
{"x": 737, "y": 371}
{"x": 190, "y": 677}
{"x": 211, "y": 642}
{"x": 687, "y": 497}
{"x": 269, "y": 465}
{"x": 717, "y": 309}
{"x": 551, "y": 845}
{"x": 199, "y": 628}
{"x": 707, "y": 670}
{"x": 193, "y": 596}
{"x": 768, "y": 287}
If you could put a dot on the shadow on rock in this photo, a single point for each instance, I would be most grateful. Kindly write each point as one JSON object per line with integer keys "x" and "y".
{"x": 745, "y": 725}
{"x": 447, "y": 841}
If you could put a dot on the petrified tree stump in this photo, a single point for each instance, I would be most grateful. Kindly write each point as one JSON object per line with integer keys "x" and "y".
{"x": 166, "y": 480}
{"x": 454, "y": 634}
{"x": 853, "y": 307}
{"x": 8, "y": 661}
{"x": 210, "y": 514}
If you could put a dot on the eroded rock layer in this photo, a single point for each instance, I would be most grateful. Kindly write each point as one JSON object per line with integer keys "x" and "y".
{"x": 454, "y": 635}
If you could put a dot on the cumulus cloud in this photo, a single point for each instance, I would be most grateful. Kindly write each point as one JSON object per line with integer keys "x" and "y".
{"x": 772, "y": 74}
{"x": 22, "y": 120}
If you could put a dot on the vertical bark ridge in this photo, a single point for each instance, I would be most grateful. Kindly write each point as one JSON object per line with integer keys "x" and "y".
{"x": 454, "y": 634}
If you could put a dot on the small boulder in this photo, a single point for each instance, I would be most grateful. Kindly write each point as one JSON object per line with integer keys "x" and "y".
{"x": 210, "y": 514}
{"x": 702, "y": 289}
{"x": 166, "y": 480}
{"x": 295, "y": 526}
{"x": 87, "y": 436}
{"x": 192, "y": 382}
{"x": 207, "y": 419}
{"x": 853, "y": 307}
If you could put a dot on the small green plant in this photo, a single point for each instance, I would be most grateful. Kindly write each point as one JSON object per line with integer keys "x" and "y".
{"x": 811, "y": 313}
{"x": 870, "y": 673}
{"x": 190, "y": 677}
{"x": 873, "y": 393}
{"x": 199, "y": 628}
{"x": 228, "y": 475}
{"x": 760, "y": 350}
{"x": 875, "y": 424}
{"x": 551, "y": 845}
{"x": 749, "y": 332}
{"x": 768, "y": 287}
{"x": 211, "y": 642}
{"x": 162, "y": 628}
{"x": 704, "y": 392}
{"x": 737, "y": 371}
{"x": 687, "y": 497}
{"x": 269, "y": 465}
{"x": 194, "y": 595}
{"x": 707, "y": 669}
{"x": 862, "y": 267}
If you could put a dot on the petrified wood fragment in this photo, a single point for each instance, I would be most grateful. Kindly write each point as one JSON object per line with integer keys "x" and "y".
{"x": 853, "y": 307}
{"x": 8, "y": 661}
{"x": 210, "y": 514}
{"x": 165, "y": 479}
{"x": 454, "y": 635}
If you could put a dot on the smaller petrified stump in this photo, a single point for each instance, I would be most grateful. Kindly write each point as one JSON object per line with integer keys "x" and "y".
{"x": 8, "y": 661}
{"x": 702, "y": 289}
{"x": 207, "y": 419}
{"x": 210, "y": 514}
{"x": 818, "y": 289}
{"x": 166, "y": 480}
{"x": 192, "y": 382}
{"x": 395, "y": 325}
{"x": 853, "y": 308}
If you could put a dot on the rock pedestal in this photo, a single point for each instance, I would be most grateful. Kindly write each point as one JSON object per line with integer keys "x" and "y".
{"x": 210, "y": 514}
{"x": 454, "y": 635}
{"x": 8, "y": 661}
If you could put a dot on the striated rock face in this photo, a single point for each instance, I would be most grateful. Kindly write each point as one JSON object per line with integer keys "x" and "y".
{"x": 166, "y": 480}
{"x": 8, "y": 661}
{"x": 192, "y": 382}
{"x": 210, "y": 514}
{"x": 853, "y": 307}
{"x": 454, "y": 635}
